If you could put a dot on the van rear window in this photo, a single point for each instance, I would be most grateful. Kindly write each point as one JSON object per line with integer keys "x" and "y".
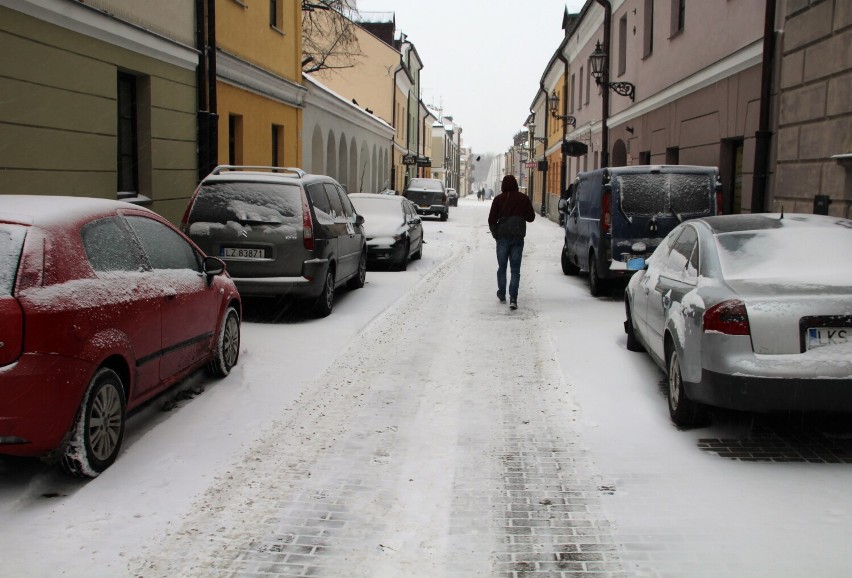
{"x": 656, "y": 194}
{"x": 249, "y": 204}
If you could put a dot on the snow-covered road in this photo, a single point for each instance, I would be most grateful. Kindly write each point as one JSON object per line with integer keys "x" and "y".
{"x": 425, "y": 430}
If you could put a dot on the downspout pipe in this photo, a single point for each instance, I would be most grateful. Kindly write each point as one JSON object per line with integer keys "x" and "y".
{"x": 605, "y": 99}
{"x": 395, "y": 129}
{"x": 563, "y": 176}
{"x": 763, "y": 136}
{"x": 543, "y": 91}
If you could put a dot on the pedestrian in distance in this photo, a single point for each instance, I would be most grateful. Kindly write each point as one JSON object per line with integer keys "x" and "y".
{"x": 510, "y": 212}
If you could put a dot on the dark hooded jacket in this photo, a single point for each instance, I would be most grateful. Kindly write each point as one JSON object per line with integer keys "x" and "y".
{"x": 512, "y": 210}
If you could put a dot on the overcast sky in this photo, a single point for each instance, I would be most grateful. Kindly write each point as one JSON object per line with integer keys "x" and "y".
{"x": 483, "y": 59}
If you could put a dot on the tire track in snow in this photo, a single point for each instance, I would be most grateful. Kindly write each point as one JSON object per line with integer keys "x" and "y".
{"x": 453, "y": 456}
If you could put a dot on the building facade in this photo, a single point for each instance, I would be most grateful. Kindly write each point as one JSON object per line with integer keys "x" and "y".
{"x": 104, "y": 103}
{"x": 259, "y": 82}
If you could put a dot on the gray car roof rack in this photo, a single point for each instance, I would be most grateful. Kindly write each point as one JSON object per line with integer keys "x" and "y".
{"x": 224, "y": 168}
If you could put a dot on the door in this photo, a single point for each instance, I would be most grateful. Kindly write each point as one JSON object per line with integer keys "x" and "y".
{"x": 670, "y": 287}
{"x": 351, "y": 237}
{"x": 190, "y": 306}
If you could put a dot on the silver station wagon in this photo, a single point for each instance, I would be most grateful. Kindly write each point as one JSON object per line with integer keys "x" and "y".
{"x": 281, "y": 231}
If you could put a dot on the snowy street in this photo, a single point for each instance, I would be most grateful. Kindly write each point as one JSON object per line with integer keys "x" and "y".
{"x": 425, "y": 430}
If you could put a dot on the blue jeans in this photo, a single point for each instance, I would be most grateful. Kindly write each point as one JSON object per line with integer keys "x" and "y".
{"x": 509, "y": 251}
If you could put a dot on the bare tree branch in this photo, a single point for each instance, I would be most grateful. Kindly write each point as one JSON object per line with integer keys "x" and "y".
{"x": 329, "y": 38}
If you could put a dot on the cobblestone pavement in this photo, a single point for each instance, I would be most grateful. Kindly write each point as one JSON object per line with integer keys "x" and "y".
{"x": 392, "y": 466}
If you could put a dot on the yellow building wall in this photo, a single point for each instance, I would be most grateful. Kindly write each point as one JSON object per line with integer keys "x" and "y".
{"x": 371, "y": 80}
{"x": 256, "y": 115}
{"x": 243, "y": 29}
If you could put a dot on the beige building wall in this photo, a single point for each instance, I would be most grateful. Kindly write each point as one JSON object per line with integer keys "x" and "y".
{"x": 814, "y": 136}
{"x": 370, "y": 83}
{"x": 63, "y": 118}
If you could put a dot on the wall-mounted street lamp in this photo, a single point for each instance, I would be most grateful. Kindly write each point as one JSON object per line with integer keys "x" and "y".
{"x": 598, "y": 62}
{"x": 533, "y": 138}
{"x": 567, "y": 119}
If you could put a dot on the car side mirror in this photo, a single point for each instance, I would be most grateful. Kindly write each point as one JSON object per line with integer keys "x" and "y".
{"x": 212, "y": 266}
{"x": 563, "y": 205}
{"x": 359, "y": 220}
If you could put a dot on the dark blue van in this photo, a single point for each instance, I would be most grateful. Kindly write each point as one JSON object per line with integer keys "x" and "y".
{"x": 612, "y": 215}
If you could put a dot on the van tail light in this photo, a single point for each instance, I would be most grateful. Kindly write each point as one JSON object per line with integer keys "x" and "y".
{"x": 728, "y": 317}
{"x": 720, "y": 208}
{"x": 606, "y": 212}
{"x": 307, "y": 224}
{"x": 11, "y": 330}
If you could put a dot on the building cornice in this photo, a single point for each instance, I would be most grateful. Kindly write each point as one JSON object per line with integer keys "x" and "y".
{"x": 327, "y": 100}
{"x": 244, "y": 75}
{"x": 93, "y": 23}
{"x": 735, "y": 63}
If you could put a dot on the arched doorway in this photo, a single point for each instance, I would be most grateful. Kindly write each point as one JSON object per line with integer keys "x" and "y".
{"x": 619, "y": 154}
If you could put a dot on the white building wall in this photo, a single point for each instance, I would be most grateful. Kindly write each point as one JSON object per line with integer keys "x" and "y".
{"x": 344, "y": 142}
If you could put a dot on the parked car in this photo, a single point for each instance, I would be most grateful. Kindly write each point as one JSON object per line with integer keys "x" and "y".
{"x": 104, "y": 305}
{"x": 453, "y": 197}
{"x": 612, "y": 215}
{"x": 282, "y": 232}
{"x": 429, "y": 196}
{"x": 394, "y": 229}
{"x": 748, "y": 312}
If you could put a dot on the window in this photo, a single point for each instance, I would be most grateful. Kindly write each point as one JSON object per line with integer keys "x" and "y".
{"x": 277, "y": 144}
{"x": 276, "y": 15}
{"x": 645, "y": 157}
{"x": 128, "y": 159}
{"x": 580, "y": 105}
{"x": 673, "y": 156}
{"x": 588, "y": 81}
{"x": 622, "y": 45}
{"x": 109, "y": 248}
{"x": 571, "y": 108}
{"x": 648, "y": 38}
{"x": 678, "y": 16}
{"x": 235, "y": 139}
{"x": 165, "y": 248}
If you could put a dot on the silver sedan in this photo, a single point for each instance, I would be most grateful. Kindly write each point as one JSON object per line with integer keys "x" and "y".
{"x": 748, "y": 312}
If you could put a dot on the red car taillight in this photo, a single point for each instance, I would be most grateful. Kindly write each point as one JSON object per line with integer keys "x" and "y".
{"x": 606, "y": 212}
{"x": 11, "y": 330}
{"x": 728, "y": 317}
{"x": 720, "y": 209}
{"x": 307, "y": 224}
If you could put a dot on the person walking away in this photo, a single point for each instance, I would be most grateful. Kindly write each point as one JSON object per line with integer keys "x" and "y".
{"x": 510, "y": 212}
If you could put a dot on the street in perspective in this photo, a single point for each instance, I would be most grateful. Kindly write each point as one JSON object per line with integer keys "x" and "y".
{"x": 425, "y": 429}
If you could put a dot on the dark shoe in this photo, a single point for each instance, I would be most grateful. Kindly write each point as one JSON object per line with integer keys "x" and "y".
{"x": 502, "y": 298}
{"x": 513, "y": 304}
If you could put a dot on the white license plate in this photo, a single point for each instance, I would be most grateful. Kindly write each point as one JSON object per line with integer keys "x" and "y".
{"x": 822, "y": 336}
{"x": 243, "y": 253}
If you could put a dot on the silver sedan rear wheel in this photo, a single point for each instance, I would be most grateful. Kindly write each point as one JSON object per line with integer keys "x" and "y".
{"x": 683, "y": 411}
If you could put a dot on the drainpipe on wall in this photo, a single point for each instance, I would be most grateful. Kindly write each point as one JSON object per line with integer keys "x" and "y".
{"x": 544, "y": 172}
{"x": 605, "y": 100}
{"x": 563, "y": 176}
{"x": 393, "y": 138}
{"x": 763, "y": 136}
{"x": 207, "y": 118}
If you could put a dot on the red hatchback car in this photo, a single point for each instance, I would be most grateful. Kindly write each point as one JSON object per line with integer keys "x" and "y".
{"x": 103, "y": 305}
